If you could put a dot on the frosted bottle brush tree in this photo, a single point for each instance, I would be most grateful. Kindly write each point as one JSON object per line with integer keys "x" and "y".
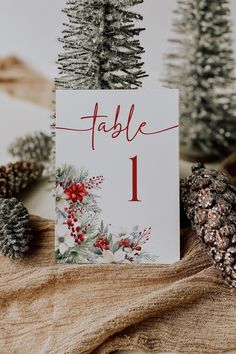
{"x": 101, "y": 46}
{"x": 201, "y": 65}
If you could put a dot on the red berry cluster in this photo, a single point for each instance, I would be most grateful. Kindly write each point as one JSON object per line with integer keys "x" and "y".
{"x": 138, "y": 248}
{"x": 77, "y": 231}
{"x": 94, "y": 182}
{"x": 145, "y": 234}
{"x": 126, "y": 243}
{"x": 102, "y": 243}
{"x": 80, "y": 234}
{"x": 143, "y": 238}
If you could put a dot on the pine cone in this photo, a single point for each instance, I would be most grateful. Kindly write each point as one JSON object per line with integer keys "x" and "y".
{"x": 15, "y": 232}
{"x": 15, "y": 177}
{"x": 210, "y": 203}
{"x": 37, "y": 147}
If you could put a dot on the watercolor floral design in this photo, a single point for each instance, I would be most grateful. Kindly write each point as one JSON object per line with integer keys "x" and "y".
{"x": 81, "y": 236}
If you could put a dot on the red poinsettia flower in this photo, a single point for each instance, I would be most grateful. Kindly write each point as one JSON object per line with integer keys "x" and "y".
{"x": 76, "y": 192}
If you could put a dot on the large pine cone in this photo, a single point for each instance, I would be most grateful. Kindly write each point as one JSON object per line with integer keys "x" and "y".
{"x": 15, "y": 177}
{"x": 37, "y": 146}
{"x": 209, "y": 201}
{"x": 15, "y": 232}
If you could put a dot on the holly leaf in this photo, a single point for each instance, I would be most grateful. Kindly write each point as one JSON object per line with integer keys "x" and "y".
{"x": 116, "y": 247}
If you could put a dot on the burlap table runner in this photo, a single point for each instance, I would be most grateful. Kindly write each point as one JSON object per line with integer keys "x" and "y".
{"x": 49, "y": 308}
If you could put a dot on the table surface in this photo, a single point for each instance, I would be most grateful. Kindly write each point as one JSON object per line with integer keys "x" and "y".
{"x": 20, "y": 118}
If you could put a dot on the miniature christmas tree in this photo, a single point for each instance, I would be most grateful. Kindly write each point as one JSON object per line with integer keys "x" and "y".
{"x": 101, "y": 46}
{"x": 201, "y": 66}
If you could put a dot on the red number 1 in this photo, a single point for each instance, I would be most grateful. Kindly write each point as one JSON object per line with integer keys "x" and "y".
{"x": 134, "y": 180}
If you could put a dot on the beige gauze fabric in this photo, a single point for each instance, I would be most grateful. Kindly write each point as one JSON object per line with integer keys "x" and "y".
{"x": 20, "y": 81}
{"x": 52, "y": 308}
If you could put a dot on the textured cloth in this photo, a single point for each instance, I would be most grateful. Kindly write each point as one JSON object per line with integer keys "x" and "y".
{"x": 20, "y": 81}
{"x": 52, "y": 308}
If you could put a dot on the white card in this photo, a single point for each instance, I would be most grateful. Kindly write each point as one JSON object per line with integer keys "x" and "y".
{"x": 117, "y": 183}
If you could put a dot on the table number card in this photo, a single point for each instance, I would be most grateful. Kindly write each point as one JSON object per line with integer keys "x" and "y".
{"x": 117, "y": 180}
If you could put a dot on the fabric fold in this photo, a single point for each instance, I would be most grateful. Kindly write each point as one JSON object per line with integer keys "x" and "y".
{"x": 54, "y": 308}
